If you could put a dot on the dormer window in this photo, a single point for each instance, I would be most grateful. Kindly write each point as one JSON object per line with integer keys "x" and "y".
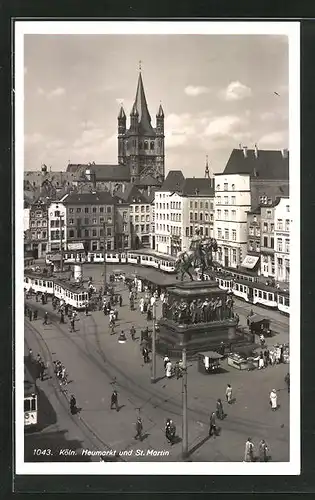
{"x": 152, "y": 145}
{"x": 218, "y": 187}
{"x": 146, "y": 145}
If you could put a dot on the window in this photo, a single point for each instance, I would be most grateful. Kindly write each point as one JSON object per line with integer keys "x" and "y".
{"x": 219, "y": 214}
{"x": 251, "y": 231}
{"x": 233, "y": 200}
{"x": 71, "y": 233}
{"x": 187, "y": 231}
{"x": 151, "y": 145}
{"x": 109, "y": 210}
{"x": 86, "y": 221}
{"x": 196, "y": 205}
{"x": 190, "y": 216}
{"x": 78, "y": 210}
{"x": 225, "y": 186}
{"x": 233, "y": 214}
{"x": 287, "y": 225}
{"x": 94, "y": 221}
{"x": 147, "y": 228}
{"x": 163, "y": 206}
{"x": 219, "y": 200}
{"x": 101, "y": 209}
{"x": 257, "y": 231}
{"x": 265, "y": 227}
{"x": 142, "y": 228}
{"x": 86, "y": 210}
{"x": 234, "y": 254}
{"x": 137, "y": 208}
{"x": 57, "y": 213}
{"x": 71, "y": 210}
{"x": 226, "y": 214}
{"x": 272, "y": 242}
{"x": 137, "y": 228}
{"x": 201, "y": 230}
{"x": 146, "y": 145}
{"x": 86, "y": 232}
{"x": 266, "y": 241}
{"x": 196, "y": 216}
{"x": 94, "y": 210}
{"x": 206, "y": 217}
{"x": 142, "y": 218}
{"x": 234, "y": 234}
{"x": 148, "y": 218}
{"x": 279, "y": 224}
{"x": 233, "y": 187}
{"x": 219, "y": 232}
{"x": 200, "y": 216}
{"x": 201, "y": 205}
{"x": 52, "y": 223}
{"x": 287, "y": 246}
{"x": 280, "y": 262}
{"x": 226, "y": 234}
{"x": 251, "y": 245}
{"x": 268, "y": 214}
{"x": 218, "y": 187}
{"x": 191, "y": 204}
{"x": 109, "y": 231}
{"x": 279, "y": 244}
{"x": 206, "y": 205}
{"x": 71, "y": 221}
{"x": 94, "y": 232}
{"x": 287, "y": 208}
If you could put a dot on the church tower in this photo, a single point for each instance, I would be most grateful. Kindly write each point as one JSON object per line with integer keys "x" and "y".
{"x": 141, "y": 147}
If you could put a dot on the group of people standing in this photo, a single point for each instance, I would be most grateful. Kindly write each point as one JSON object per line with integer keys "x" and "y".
{"x": 199, "y": 310}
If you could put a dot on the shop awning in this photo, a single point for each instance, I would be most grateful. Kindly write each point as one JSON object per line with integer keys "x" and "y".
{"x": 250, "y": 261}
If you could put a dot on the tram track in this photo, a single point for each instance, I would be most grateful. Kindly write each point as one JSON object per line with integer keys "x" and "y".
{"x": 78, "y": 420}
{"x": 150, "y": 396}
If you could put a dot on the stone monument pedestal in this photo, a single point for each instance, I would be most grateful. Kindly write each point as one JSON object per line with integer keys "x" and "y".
{"x": 178, "y": 331}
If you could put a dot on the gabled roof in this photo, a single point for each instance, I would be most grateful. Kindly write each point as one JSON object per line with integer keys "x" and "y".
{"x": 269, "y": 164}
{"x": 98, "y": 198}
{"x": 173, "y": 182}
{"x": 132, "y": 193}
{"x": 197, "y": 187}
{"x": 103, "y": 172}
{"x": 140, "y": 105}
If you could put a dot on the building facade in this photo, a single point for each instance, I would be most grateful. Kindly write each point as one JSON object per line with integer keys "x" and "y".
{"x": 37, "y": 235}
{"x": 267, "y": 241}
{"x": 181, "y": 206}
{"x": 282, "y": 224}
{"x": 57, "y": 222}
{"x": 91, "y": 220}
{"x": 232, "y": 202}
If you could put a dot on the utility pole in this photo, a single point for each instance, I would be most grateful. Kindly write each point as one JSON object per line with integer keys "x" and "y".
{"x": 104, "y": 228}
{"x": 61, "y": 244}
{"x": 184, "y": 392}
{"x": 153, "y": 364}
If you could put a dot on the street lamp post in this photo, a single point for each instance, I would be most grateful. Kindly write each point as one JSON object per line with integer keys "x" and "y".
{"x": 184, "y": 392}
{"x": 153, "y": 364}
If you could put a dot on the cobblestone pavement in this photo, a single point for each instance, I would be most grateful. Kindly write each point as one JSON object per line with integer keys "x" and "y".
{"x": 96, "y": 363}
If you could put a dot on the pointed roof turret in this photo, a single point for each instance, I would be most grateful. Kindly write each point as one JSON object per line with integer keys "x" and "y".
{"x": 122, "y": 113}
{"x": 134, "y": 111}
{"x": 140, "y": 105}
{"x": 207, "y": 171}
{"x": 160, "y": 113}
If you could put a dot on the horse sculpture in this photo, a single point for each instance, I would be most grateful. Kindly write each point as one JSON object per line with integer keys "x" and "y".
{"x": 199, "y": 255}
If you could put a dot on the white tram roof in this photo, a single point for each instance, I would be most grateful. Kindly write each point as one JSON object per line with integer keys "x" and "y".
{"x": 152, "y": 253}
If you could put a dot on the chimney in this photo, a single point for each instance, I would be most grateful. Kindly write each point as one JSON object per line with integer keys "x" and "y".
{"x": 284, "y": 153}
{"x": 245, "y": 151}
{"x": 256, "y": 151}
{"x": 149, "y": 190}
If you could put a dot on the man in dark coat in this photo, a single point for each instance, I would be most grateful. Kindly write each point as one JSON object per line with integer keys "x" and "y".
{"x": 212, "y": 425}
{"x": 114, "y": 401}
{"x": 139, "y": 428}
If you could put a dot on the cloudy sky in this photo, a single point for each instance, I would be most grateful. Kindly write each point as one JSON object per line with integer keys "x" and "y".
{"x": 217, "y": 91}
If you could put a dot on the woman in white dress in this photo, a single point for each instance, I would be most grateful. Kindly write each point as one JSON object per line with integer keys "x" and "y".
{"x": 168, "y": 369}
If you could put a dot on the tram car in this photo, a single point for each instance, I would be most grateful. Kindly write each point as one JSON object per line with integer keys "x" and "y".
{"x": 30, "y": 399}
{"x": 73, "y": 294}
{"x": 284, "y": 302}
{"x": 146, "y": 258}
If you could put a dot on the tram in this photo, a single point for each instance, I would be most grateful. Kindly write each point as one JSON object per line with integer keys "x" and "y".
{"x": 30, "y": 399}
{"x": 73, "y": 294}
{"x": 284, "y": 302}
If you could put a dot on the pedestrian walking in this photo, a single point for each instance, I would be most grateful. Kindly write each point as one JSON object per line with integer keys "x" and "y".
{"x": 72, "y": 328}
{"x": 287, "y": 381}
{"x": 166, "y": 360}
{"x": 219, "y": 410}
{"x": 30, "y": 354}
{"x": 30, "y": 314}
{"x": 212, "y": 425}
{"x": 139, "y": 428}
{"x": 249, "y": 451}
{"x": 133, "y": 332}
{"x": 145, "y": 354}
{"x": 120, "y": 300}
{"x": 261, "y": 361}
{"x": 168, "y": 369}
{"x": 42, "y": 369}
{"x": 228, "y": 394}
{"x": 170, "y": 431}
{"x": 62, "y": 317}
{"x": 86, "y": 311}
{"x": 45, "y": 322}
{"x": 263, "y": 451}
{"x": 177, "y": 370}
{"x": 114, "y": 401}
{"x": 35, "y": 315}
{"x": 73, "y": 405}
{"x": 273, "y": 400}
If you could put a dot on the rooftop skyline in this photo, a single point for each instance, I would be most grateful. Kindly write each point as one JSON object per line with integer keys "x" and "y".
{"x": 217, "y": 91}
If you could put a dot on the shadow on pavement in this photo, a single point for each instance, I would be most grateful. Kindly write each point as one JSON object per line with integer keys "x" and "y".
{"x": 56, "y": 442}
{"x": 198, "y": 445}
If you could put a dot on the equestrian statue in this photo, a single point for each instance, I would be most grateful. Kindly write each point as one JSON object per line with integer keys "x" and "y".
{"x": 199, "y": 255}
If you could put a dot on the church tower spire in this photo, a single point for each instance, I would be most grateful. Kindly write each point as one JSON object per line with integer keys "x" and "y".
{"x": 207, "y": 171}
